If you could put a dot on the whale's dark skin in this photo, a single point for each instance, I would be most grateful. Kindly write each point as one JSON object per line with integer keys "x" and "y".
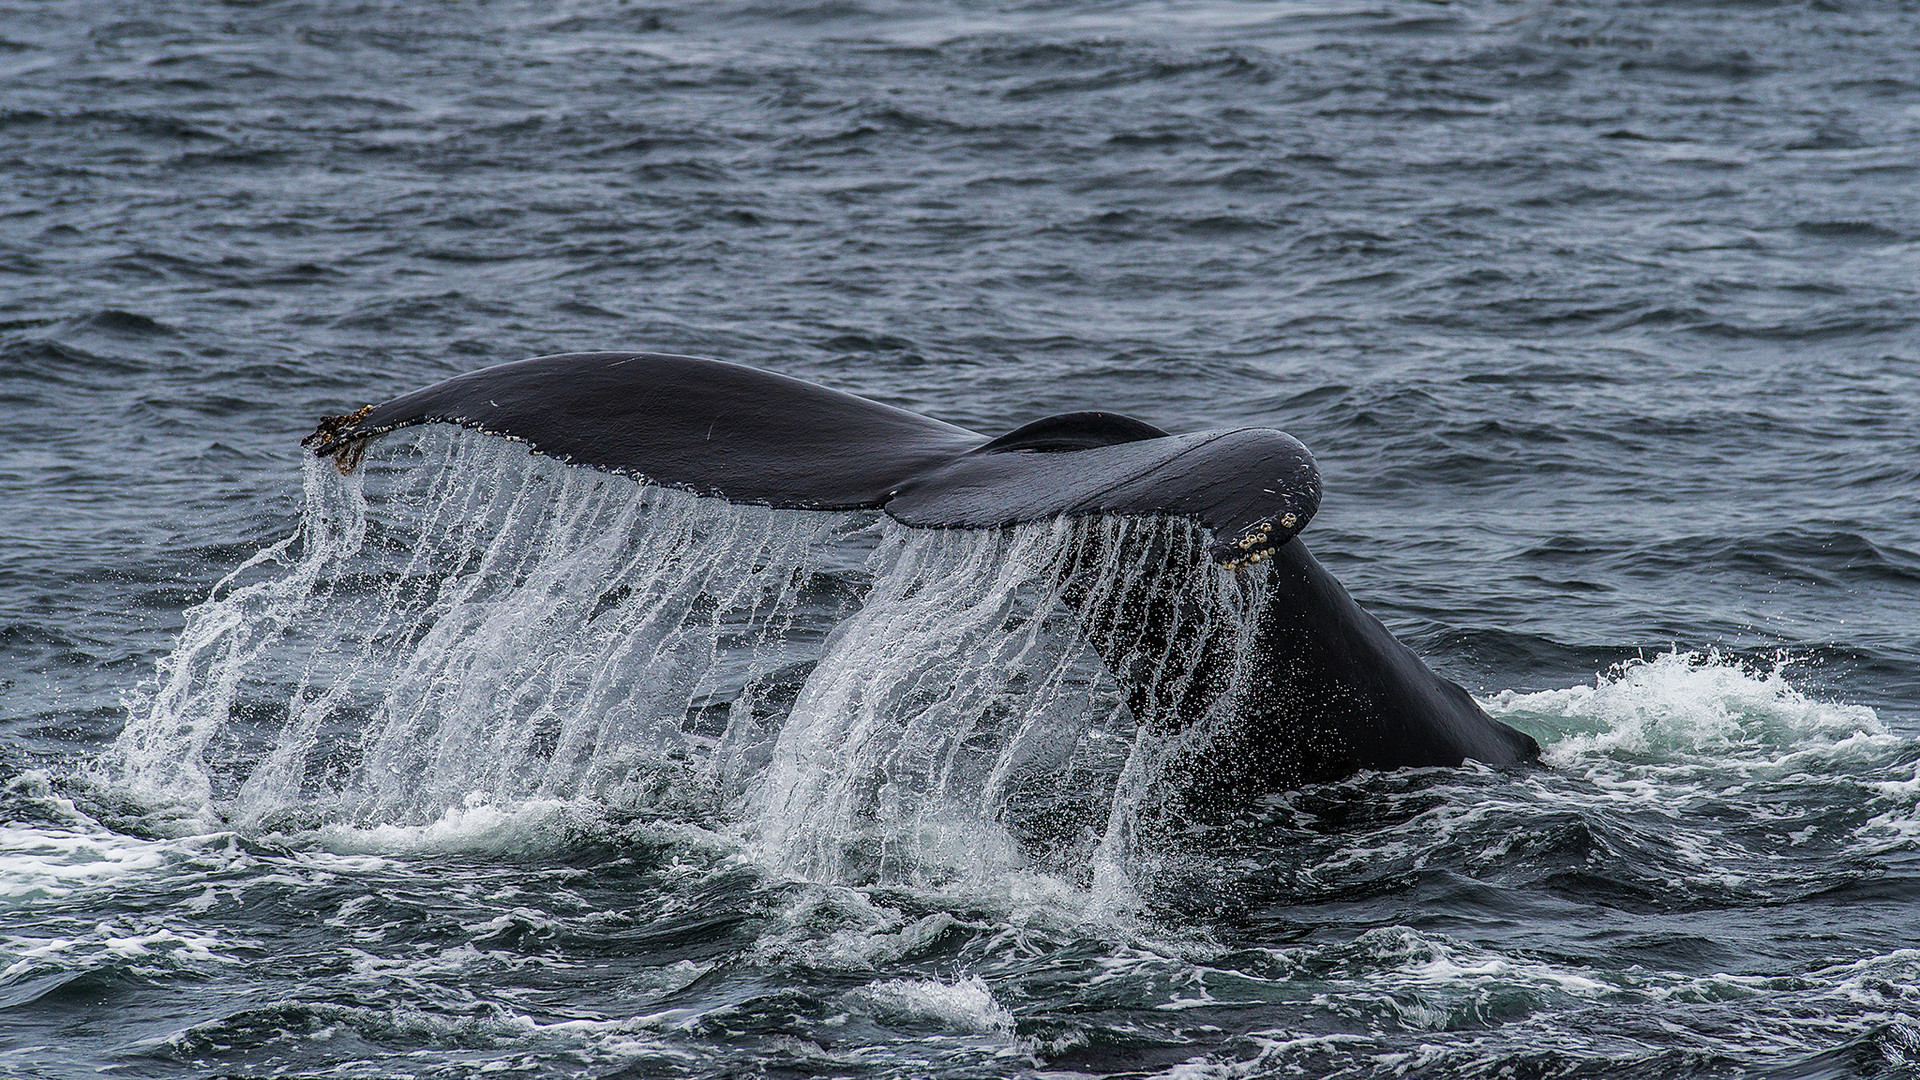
{"x": 751, "y": 436}
{"x": 1324, "y": 689}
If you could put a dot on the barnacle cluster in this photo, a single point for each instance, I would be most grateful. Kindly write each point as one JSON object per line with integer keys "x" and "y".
{"x": 346, "y": 453}
{"x": 1255, "y": 543}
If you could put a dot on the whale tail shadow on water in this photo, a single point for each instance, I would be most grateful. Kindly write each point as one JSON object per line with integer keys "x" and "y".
{"x": 1312, "y": 688}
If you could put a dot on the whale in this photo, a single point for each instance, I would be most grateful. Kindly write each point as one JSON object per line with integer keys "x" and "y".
{"x": 1320, "y": 689}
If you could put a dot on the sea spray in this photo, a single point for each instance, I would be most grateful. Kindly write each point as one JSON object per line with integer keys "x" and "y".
{"x": 959, "y": 725}
{"x": 465, "y": 625}
{"x": 1687, "y": 707}
{"x": 927, "y": 699}
{"x": 506, "y": 628}
{"x": 159, "y": 760}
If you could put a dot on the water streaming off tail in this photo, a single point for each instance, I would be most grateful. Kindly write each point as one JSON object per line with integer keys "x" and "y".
{"x": 465, "y": 623}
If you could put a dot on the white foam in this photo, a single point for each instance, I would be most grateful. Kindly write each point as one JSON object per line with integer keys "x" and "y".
{"x": 964, "y": 1005}
{"x": 1423, "y": 979}
{"x": 40, "y": 862}
{"x": 476, "y": 827}
{"x": 1687, "y": 706}
{"x": 1273, "y": 1049}
{"x": 842, "y": 929}
{"x": 1898, "y": 803}
{"x": 150, "y": 948}
{"x": 1427, "y": 979}
{"x": 65, "y": 852}
{"x": 1406, "y": 958}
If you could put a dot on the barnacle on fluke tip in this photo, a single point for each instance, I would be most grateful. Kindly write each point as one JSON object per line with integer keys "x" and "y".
{"x": 346, "y": 453}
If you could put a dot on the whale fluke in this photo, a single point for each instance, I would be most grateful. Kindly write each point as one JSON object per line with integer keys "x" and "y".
{"x": 751, "y": 436}
{"x": 1318, "y": 688}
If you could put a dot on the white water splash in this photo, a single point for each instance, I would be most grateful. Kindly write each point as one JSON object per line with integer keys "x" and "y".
{"x": 505, "y": 629}
{"x": 158, "y": 760}
{"x": 471, "y": 632}
{"x": 964, "y": 1005}
{"x": 49, "y": 849}
{"x": 954, "y": 675}
{"x": 1687, "y": 706}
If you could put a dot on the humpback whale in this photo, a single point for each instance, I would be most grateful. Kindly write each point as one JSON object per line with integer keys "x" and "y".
{"x": 1320, "y": 688}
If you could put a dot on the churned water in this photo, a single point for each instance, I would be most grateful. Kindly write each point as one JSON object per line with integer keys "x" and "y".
{"x": 1601, "y": 318}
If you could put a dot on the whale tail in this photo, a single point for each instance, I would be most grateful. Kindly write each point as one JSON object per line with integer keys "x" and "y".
{"x": 1316, "y": 689}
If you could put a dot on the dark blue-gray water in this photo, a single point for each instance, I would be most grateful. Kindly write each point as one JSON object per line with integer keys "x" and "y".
{"x": 1601, "y": 317}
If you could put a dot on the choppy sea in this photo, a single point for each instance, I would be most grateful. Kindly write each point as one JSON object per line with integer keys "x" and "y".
{"x": 1602, "y": 318}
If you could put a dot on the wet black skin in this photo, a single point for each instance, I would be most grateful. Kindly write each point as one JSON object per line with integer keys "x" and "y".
{"x": 1325, "y": 689}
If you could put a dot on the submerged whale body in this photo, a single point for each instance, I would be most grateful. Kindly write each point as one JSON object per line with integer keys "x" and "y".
{"x": 1314, "y": 689}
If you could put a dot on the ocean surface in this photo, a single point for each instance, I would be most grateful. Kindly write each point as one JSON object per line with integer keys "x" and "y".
{"x": 1602, "y": 318}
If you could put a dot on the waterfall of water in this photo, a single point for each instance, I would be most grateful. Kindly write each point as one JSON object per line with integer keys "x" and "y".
{"x": 463, "y": 621}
